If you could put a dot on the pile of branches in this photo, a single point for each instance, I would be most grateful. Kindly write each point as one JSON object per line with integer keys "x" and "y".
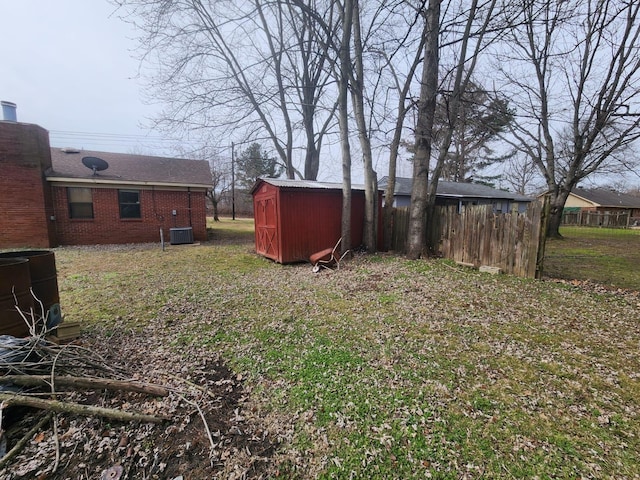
{"x": 37, "y": 373}
{"x": 32, "y": 366}
{"x": 72, "y": 380}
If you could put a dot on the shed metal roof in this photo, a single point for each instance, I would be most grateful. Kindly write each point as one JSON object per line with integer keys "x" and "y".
{"x": 310, "y": 184}
{"x": 127, "y": 168}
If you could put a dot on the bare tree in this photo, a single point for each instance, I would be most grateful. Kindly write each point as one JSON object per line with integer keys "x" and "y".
{"x": 249, "y": 69}
{"x": 391, "y": 52}
{"x": 220, "y": 186}
{"x": 370, "y": 31}
{"x": 521, "y": 175}
{"x": 343, "y": 118}
{"x": 220, "y": 171}
{"x": 362, "y": 32}
{"x": 311, "y": 62}
{"x": 402, "y": 84}
{"x": 357, "y": 75}
{"x": 573, "y": 67}
{"x": 424, "y": 130}
{"x": 466, "y": 33}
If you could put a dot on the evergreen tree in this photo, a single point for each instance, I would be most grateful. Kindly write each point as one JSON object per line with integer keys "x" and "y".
{"x": 254, "y": 162}
{"x": 481, "y": 118}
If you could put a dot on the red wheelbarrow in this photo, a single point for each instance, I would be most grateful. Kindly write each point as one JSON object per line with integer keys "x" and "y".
{"x": 327, "y": 258}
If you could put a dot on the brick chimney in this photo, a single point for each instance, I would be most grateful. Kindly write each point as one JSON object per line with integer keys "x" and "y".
{"x": 25, "y": 195}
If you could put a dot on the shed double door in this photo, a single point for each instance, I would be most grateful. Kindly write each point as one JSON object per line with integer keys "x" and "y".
{"x": 266, "y": 221}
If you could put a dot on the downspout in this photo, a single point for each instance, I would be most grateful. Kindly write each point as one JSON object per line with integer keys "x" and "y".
{"x": 189, "y": 196}
{"x": 54, "y": 214}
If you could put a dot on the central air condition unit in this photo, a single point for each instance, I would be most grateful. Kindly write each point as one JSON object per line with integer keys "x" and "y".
{"x": 180, "y": 236}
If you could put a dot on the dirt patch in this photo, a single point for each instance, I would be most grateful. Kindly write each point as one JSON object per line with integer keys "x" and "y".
{"x": 233, "y": 444}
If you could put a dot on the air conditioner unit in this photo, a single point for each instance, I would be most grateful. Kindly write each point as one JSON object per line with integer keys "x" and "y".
{"x": 179, "y": 236}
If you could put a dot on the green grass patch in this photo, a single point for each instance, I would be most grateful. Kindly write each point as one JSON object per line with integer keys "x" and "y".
{"x": 601, "y": 255}
{"x": 227, "y": 230}
{"x": 389, "y": 368}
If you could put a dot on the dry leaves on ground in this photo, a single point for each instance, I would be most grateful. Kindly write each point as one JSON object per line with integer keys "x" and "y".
{"x": 231, "y": 445}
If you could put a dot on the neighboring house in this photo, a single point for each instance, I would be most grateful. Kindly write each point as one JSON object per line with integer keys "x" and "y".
{"x": 601, "y": 200}
{"x": 461, "y": 194}
{"x": 51, "y": 197}
{"x": 297, "y": 218}
{"x": 606, "y": 203}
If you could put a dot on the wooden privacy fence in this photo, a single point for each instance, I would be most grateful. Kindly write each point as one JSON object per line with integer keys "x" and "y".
{"x": 513, "y": 242}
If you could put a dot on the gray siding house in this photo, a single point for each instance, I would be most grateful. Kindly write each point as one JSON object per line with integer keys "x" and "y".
{"x": 461, "y": 194}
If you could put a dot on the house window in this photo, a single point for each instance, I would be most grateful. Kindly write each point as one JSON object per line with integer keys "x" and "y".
{"x": 129, "y": 203}
{"x": 80, "y": 202}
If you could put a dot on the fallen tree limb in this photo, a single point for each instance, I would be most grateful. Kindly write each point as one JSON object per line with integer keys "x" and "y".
{"x": 85, "y": 382}
{"x": 76, "y": 408}
{"x": 23, "y": 441}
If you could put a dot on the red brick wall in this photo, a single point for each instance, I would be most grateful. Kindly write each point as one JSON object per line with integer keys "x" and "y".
{"x": 107, "y": 227}
{"x": 28, "y": 202}
{"x": 25, "y": 199}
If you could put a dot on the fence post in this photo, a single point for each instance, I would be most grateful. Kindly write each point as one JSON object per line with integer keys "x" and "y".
{"x": 542, "y": 236}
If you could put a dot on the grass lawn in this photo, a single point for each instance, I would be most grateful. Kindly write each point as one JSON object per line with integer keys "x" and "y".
{"x": 389, "y": 368}
{"x": 602, "y": 255}
{"x": 227, "y": 229}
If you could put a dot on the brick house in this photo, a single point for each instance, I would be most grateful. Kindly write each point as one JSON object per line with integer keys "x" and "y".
{"x": 603, "y": 200}
{"x": 50, "y": 197}
{"x": 602, "y": 207}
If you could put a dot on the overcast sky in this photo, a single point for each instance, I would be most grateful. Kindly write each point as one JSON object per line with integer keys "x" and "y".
{"x": 68, "y": 66}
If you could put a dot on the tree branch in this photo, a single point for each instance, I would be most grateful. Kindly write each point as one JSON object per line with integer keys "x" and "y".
{"x": 85, "y": 382}
{"x": 77, "y": 409}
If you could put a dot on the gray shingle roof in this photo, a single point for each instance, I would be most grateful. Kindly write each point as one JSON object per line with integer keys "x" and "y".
{"x": 457, "y": 190}
{"x": 608, "y": 198}
{"x": 130, "y": 168}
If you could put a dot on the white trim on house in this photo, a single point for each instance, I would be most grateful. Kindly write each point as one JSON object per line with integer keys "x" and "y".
{"x": 106, "y": 183}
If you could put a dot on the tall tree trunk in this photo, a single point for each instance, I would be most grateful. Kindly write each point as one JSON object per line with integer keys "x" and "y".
{"x": 214, "y": 204}
{"x": 343, "y": 120}
{"x": 216, "y": 217}
{"x": 558, "y": 198}
{"x": 403, "y": 92}
{"x": 370, "y": 223}
{"x": 312, "y": 157}
{"x": 388, "y": 209}
{"x": 424, "y": 128}
{"x": 463, "y": 72}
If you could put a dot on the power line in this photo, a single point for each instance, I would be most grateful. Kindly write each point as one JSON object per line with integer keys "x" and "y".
{"x": 111, "y": 141}
{"x": 119, "y": 136}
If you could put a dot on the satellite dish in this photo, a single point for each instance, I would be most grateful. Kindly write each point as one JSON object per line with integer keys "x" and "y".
{"x": 94, "y": 163}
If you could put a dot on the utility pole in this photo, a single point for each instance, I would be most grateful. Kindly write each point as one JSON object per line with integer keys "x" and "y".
{"x": 233, "y": 182}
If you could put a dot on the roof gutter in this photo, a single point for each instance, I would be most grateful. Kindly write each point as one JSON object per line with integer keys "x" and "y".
{"x": 125, "y": 182}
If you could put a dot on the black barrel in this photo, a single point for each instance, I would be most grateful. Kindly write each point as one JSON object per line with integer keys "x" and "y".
{"x": 15, "y": 283}
{"x": 44, "y": 278}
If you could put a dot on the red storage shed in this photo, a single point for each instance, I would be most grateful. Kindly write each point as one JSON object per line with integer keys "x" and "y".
{"x": 296, "y": 218}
